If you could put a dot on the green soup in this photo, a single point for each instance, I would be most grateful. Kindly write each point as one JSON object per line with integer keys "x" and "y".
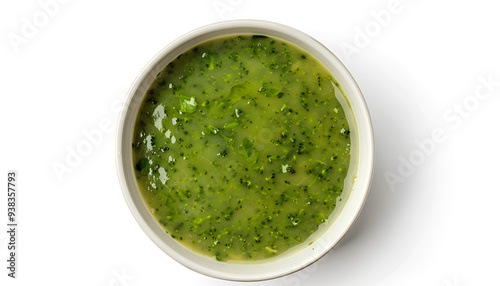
{"x": 241, "y": 147}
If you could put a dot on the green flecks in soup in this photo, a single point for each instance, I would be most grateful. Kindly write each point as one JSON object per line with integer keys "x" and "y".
{"x": 241, "y": 147}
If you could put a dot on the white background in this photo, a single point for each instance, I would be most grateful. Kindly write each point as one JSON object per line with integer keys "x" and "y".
{"x": 438, "y": 225}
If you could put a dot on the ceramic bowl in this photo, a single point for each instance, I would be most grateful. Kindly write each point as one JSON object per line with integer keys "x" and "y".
{"x": 355, "y": 190}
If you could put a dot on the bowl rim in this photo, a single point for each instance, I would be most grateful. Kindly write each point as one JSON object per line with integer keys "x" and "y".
{"x": 132, "y": 100}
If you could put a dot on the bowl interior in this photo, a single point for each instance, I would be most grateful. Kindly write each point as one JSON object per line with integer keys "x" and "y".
{"x": 357, "y": 183}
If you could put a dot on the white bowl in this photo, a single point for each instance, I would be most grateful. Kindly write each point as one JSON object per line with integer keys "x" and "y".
{"x": 355, "y": 190}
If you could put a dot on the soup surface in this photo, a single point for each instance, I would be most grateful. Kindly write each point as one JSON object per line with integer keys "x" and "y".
{"x": 241, "y": 147}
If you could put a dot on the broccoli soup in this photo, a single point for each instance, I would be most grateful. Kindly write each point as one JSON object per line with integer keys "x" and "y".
{"x": 241, "y": 147}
